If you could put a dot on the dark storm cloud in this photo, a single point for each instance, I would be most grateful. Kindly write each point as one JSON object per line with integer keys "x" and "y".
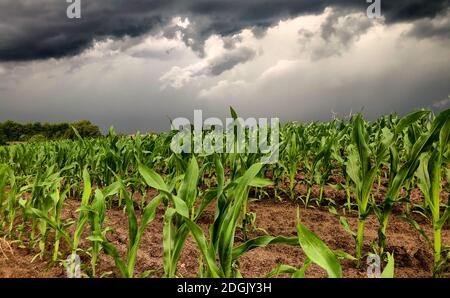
{"x": 339, "y": 31}
{"x": 39, "y": 29}
{"x": 230, "y": 59}
{"x": 437, "y": 28}
{"x": 353, "y": 27}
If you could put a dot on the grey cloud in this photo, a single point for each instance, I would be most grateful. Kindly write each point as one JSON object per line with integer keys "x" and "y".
{"x": 178, "y": 77}
{"x": 340, "y": 30}
{"x": 229, "y": 42}
{"x": 230, "y": 59}
{"x": 344, "y": 26}
{"x": 444, "y": 103}
{"x": 438, "y": 27}
{"x": 39, "y": 29}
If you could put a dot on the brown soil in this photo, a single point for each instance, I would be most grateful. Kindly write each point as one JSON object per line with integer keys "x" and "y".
{"x": 413, "y": 256}
{"x": 17, "y": 263}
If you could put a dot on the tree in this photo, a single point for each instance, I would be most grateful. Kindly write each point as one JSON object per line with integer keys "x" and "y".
{"x": 37, "y": 139}
{"x": 86, "y": 130}
{"x": 2, "y": 137}
{"x": 11, "y": 131}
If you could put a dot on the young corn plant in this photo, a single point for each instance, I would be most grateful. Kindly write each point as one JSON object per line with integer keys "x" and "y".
{"x": 323, "y": 163}
{"x": 220, "y": 257}
{"x": 58, "y": 198}
{"x": 175, "y": 231}
{"x": 292, "y": 162}
{"x": 9, "y": 202}
{"x": 51, "y": 218}
{"x": 316, "y": 251}
{"x": 429, "y": 175}
{"x": 362, "y": 166}
{"x": 390, "y": 139}
{"x": 136, "y": 230}
{"x": 3, "y": 195}
{"x": 95, "y": 214}
{"x": 438, "y": 131}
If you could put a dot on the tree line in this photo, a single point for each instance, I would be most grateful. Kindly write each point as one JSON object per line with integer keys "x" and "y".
{"x": 11, "y": 131}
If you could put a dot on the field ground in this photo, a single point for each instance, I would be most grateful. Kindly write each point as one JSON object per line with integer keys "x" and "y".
{"x": 413, "y": 256}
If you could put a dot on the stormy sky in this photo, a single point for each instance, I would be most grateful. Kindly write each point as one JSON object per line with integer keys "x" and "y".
{"x": 134, "y": 63}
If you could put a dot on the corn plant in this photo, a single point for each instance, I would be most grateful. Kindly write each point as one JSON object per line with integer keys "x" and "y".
{"x": 438, "y": 130}
{"x": 429, "y": 175}
{"x": 219, "y": 254}
{"x": 175, "y": 231}
{"x": 362, "y": 166}
{"x": 316, "y": 252}
{"x": 135, "y": 231}
{"x": 390, "y": 138}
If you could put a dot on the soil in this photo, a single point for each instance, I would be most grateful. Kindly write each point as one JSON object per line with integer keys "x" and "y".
{"x": 413, "y": 255}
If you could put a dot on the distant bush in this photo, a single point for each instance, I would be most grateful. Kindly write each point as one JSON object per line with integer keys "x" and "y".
{"x": 37, "y": 138}
{"x": 86, "y": 130}
{"x": 11, "y": 131}
{"x": 2, "y": 138}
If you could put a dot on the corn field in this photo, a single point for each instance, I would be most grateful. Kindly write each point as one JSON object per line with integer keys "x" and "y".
{"x": 56, "y": 199}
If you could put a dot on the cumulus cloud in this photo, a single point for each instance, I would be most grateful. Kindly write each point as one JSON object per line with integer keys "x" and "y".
{"x": 395, "y": 75}
{"x": 339, "y": 31}
{"x": 177, "y": 77}
{"x": 39, "y": 29}
{"x": 246, "y": 54}
{"x": 225, "y": 90}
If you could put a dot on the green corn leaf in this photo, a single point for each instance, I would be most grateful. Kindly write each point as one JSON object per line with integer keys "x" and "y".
{"x": 207, "y": 252}
{"x": 79, "y": 230}
{"x": 260, "y": 182}
{"x": 132, "y": 220}
{"x": 113, "y": 252}
{"x": 281, "y": 269}
{"x": 318, "y": 252}
{"x": 168, "y": 242}
{"x": 180, "y": 206}
{"x": 359, "y": 138}
{"x": 150, "y": 211}
{"x": 388, "y": 271}
{"x": 188, "y": 190}
{"x": 152, "y": 178}
{"x": 262, "y": 242}
{"x": 233, "y": 113}
{"x": 344, "y": 255}
{"x": 300, "y": 273}
{"x": 445, "y": 216}
{"x": 416, "y": 226}
{"x": 344, "y": 223}
{"x": 86, "y": 187}
{"x": 228, "y": 225}
{"x": 113, "y": 189}
{"x": 95, "y": 238}
{"x": 410, "y": 119}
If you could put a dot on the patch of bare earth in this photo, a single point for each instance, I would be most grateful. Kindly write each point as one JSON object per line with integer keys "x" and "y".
{"x": 413, "y": 255}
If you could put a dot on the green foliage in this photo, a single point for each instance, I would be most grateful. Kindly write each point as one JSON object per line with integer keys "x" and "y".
{"x": 11, "y": 131}
{"x": 85, "y": 128}
{"x": 39, "y": 179}
{"x": 317, "y": 251}
{"x": 37, "y": 138}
